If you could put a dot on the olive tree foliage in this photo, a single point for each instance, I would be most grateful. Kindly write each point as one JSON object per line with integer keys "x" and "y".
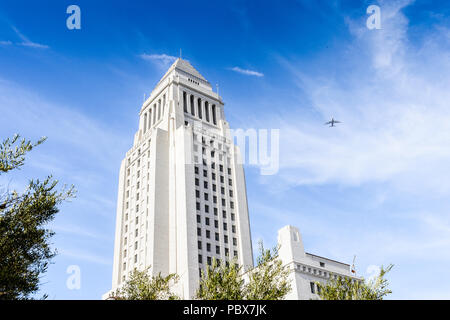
{"x": 25, "y": 251}
{"x": 269, "y": 280}
{"x": 228, "y": 281}
{"x": 221, "y": 281}
{"x": 142, "y": 286}
{"x": 343, "y": 288}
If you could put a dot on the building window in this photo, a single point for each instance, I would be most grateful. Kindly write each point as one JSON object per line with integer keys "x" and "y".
{"x": 200, "y": 258}
{"x": 192, "y": 105}
{"x": 199, "y": 107}
{"x": 199, "y": 244}
{"x": 217, "y": 250}
{"x": 312, "y": 285}
{"x": 207, "y": 221}
{"x": 225, "y": 226}
{"x": 198, "y": 218}
{"x": 199, "y": 232}
{"x": 208, "y": 234}
{"x": 214, "y": 114}
{"x": 322, "y": 264}
{"x": 207, "y": 111}
{"x": 184, "y": 102}
{"x": 234, "y": 242}
{"x": 217, "y": 236}
{"x": 208, "y": 247}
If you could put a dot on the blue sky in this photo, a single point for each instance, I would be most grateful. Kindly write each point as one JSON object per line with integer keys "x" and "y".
{"x": 377, "y": 186}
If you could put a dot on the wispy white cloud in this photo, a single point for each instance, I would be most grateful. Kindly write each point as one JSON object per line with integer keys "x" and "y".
{"x": 5, "y": 43}
{"x": 162, "y": 60}
{"x": 27, "y": 42}
{"x": 395, "y": 115}
{"x": 79, "y": 232}
{"x": 247, "y": 72}
{"x": 85, "y": 256}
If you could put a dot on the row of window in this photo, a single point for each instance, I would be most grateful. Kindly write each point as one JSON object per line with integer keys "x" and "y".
{"x": 197, "y": 106}
{"x": 209, "y": 258}
{"x": 154, "y": 114}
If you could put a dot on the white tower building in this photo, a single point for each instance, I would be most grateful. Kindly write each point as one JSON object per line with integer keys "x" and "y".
{"x": 182, "y": 196}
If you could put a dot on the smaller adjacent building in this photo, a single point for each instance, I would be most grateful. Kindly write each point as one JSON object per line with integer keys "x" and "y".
{"x": 307, "y": 268}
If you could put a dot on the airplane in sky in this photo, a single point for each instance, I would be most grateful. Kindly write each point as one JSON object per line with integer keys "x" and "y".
{"x": 332, "y": 122}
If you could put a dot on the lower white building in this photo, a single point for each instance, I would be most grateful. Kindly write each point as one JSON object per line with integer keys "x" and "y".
{"x": 307, "y": 268}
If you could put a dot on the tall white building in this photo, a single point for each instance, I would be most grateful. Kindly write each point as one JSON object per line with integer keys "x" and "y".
{"x": 182, "y": 196}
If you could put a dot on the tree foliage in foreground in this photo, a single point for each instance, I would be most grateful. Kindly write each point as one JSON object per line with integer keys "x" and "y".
{"x": 348, "y": 289}
{"x": 25, "y": 251}
{"x": 267, "y": 281}
{"x": 142, "y": 286}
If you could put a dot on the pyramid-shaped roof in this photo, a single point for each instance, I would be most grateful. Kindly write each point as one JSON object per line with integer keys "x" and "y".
{"x": 185, "y": 66}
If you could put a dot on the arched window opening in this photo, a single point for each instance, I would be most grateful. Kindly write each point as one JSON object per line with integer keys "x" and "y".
{"x": 207, "y": 111}
{"x": 184, "y": 102}
{"x": 214, "y": 114}
{"x": 145, "y": 122}
{"x": 159, "y": 109}
{"x": 150, "y": 118}
{"x": 199, "y": 107}
{"x": 164, "y": 104}
{"x": 192, "y": 105}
